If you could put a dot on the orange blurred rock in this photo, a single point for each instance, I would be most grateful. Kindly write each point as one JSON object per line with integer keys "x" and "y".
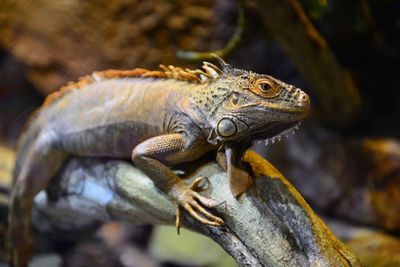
{"x": 384, "y": 179}
{"x": 60, "y": 41}
{"x": 375, "y": 249}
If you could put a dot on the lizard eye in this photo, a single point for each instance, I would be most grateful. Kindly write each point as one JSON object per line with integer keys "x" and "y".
{"x": 265, "y": 88}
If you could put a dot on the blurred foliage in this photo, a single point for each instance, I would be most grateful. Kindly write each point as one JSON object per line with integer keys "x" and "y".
{"x": 315, "y": 8}
{"x": 188, "y": 248}
{"x": 228, "y": 48}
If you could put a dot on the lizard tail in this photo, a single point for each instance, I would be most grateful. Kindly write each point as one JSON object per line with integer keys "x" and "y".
{"x": 24, "y": 144}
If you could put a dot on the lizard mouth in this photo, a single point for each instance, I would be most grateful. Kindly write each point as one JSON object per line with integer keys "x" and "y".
{"x": 274, "y": 131}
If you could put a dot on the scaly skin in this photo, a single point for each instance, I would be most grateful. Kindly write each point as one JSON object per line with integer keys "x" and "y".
{"x": 158, "y": 119}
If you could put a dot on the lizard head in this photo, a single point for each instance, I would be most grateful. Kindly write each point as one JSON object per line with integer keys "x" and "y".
{"x": 255, "y": 106}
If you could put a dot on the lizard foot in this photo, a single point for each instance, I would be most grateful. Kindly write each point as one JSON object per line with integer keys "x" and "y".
{"x": 189, "y": 198}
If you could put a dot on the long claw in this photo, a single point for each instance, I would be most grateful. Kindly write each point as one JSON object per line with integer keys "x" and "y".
{"x": 199, "y": 184}
{"x": 207, "y": 214}
{"x": 178, "y": 219}
{"x": 198, "y": 217}
{"x": 187, "y": 197}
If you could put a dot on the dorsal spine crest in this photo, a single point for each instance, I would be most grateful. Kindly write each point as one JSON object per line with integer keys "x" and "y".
{"x": 207, "y": 73}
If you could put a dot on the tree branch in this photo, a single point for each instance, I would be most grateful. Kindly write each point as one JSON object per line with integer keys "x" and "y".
{"x": 271, "y": 225}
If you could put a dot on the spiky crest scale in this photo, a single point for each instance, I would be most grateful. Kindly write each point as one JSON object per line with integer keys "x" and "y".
{"x": 209, "y": 72}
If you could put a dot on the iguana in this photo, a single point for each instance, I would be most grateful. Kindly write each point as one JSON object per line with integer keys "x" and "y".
{"x": 158, "y": 119}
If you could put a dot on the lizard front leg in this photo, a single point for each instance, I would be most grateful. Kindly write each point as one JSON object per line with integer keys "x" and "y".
{"x": 153, "y": 157}
{"x": 239, "y": 180}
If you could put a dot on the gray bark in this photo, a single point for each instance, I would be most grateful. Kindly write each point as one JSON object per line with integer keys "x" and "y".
{"x": 271, "y": 225}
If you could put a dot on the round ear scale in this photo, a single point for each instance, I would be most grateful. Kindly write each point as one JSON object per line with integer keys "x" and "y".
{"x": 226, "y": 68}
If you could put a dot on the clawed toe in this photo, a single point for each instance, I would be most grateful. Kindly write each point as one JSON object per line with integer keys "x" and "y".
{"x": 208, "y": 202}
{"x": 202, "y": 215}
{"x": 192, "y": 202}
{"x": 200, "y": 184}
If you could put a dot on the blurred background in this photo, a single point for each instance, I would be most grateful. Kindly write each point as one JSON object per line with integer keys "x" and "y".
{"x": 345, "y": 159}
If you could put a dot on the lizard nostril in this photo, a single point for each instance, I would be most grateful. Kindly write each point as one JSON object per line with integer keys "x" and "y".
{"x": 303, "y": 100}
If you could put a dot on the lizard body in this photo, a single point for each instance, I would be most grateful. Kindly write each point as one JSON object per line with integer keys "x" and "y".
{"x": 158, "y": 119}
